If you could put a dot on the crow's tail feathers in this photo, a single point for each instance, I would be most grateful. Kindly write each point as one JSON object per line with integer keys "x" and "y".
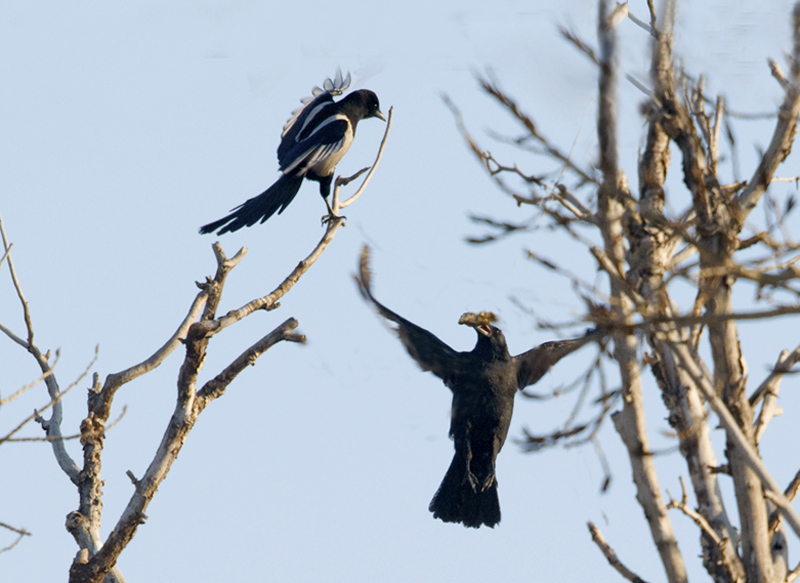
{"x": 259, "y": 208}
{"x": 461, "y": 498}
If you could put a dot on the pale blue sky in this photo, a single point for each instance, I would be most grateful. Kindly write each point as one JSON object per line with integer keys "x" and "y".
{"x": 126, "y": 127}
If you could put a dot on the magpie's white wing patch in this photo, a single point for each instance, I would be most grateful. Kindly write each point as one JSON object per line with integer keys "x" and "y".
{"x": 314, "y": 112}
{"x": 313, "y": 156}
{"x": 321, "y": 148}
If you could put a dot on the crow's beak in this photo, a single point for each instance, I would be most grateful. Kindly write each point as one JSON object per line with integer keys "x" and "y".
{"x": 484, "y": 329}
{"x": 482, "y": 322}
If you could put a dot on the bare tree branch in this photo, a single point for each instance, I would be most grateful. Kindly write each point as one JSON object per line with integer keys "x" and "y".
{"x": 781, "y": 143}
{"x": 785, "y": 362}
{"x": 613, "y": 205}
{"x": 611, "y": 556}
{"x": 770, "y": 407}
{"x": 188, "y": 408}
{"x": 97, "y": 559}
{"x": 739, "y": 439}
{"x": 51, "y": 426}
{"x": 643, "y": 252}
{"x": 216, "y": 386}
{"x": 730, "y": 560}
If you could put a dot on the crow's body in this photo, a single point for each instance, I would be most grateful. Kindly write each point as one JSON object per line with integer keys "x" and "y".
{"x": 484, "y": 382}
{"x": 483, "y": 385}
{"x": 313, "y": 142}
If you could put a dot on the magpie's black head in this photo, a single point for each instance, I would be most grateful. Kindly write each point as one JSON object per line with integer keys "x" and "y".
{"x": 367, "y": 102}
{"x": 489, "y": 337}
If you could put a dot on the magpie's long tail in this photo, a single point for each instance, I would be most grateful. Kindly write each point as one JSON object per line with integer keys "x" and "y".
{"x": 259, "y": 208}
{"x": 462, "y": 498}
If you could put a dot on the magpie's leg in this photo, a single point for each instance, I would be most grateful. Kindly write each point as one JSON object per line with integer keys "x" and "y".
{"x": 330, "y": 209}
{"x": 325, "y": 190}
{"x": 331, "y": 216}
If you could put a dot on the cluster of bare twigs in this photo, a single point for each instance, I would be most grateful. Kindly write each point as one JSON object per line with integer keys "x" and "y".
{"x": 20, "y": 532}
{"x": 96, "y": 559}
{"x": 642, "y": 249}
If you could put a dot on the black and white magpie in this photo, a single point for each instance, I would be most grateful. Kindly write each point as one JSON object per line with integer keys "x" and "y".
{"x": 315, "y": 138}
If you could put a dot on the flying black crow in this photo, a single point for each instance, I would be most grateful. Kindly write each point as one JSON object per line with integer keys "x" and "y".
{"x": 484, "y": 382}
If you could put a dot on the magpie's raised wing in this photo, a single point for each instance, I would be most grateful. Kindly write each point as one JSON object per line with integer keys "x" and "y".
{"x": 533, "y": 364}
{"x": 310, "y": 115}
{"x": 430, "y": 353}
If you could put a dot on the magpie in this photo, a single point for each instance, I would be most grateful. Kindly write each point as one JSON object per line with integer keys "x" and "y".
{"x": 313, "y": 141}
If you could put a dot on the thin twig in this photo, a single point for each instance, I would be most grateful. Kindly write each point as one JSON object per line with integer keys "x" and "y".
{"x": 698, "y": 519}
{"x": 731, "y": 559}
{"x": 21, "y": 532}
{"x": 17, "y": 287}
{"x": 790, "y": 492}
{"x": 5, "y": 254}
{"x": 66, "y": 437}
{"x": 29, "y": 386}
{"x": 611, "y": 556}
{"x": 770, "y": 407}
{"x": 783, "y": 366}
{"x": 352, "y": 199}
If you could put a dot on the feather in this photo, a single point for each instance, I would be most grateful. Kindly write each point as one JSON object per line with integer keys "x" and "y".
{"x": 331, "y": 88}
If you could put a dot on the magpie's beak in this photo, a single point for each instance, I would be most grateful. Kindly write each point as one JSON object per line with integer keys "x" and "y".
{"x": 379, "y": 115}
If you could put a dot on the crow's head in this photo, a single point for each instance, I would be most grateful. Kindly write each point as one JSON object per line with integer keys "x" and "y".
{"x": 491, "y": 341}
{"x": 482, "y": 322}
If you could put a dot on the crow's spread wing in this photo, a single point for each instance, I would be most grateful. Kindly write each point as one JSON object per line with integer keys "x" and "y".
{"x": 533, "y": 364}
{"x": 430, "y": 353}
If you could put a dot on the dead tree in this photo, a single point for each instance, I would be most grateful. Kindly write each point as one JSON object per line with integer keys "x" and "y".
{"x": 97, "y": 558}
{"x": 642, "y": 250}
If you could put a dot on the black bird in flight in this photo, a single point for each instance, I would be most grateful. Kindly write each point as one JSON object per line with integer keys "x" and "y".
{"x": 484, "y": 382}
{"x": 313, "y": 141}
